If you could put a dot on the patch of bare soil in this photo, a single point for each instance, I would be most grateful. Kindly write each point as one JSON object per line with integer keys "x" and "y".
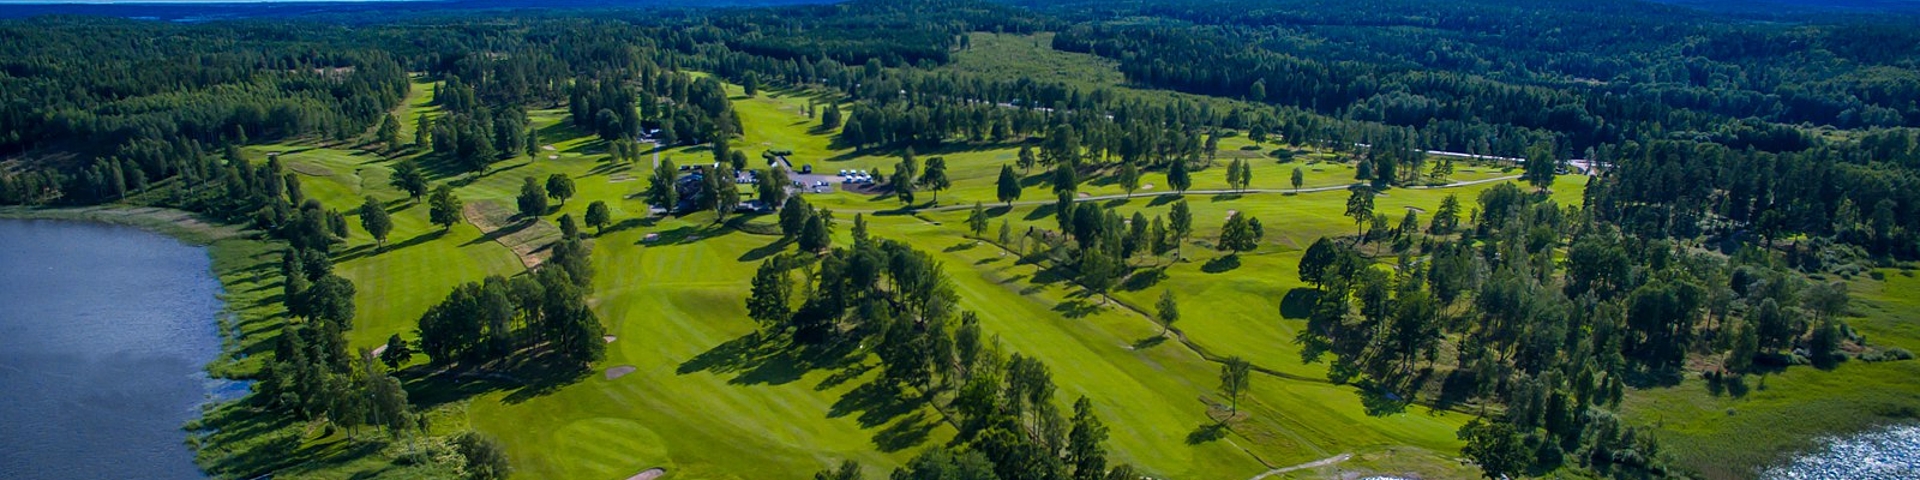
{"x": 528, "y": 240}
{"x": 620, "y": 371}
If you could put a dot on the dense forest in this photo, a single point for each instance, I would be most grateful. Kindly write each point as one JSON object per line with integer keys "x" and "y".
{"x": 1734, "y": 159}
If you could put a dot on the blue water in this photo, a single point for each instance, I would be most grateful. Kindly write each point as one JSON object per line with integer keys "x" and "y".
{"x": 104, "y": 333}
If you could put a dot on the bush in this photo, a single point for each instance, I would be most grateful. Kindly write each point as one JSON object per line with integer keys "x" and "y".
{"x": 486, "y": 459}
{"x": 1877, "y": 275}
{"x": 1896, "y": 354}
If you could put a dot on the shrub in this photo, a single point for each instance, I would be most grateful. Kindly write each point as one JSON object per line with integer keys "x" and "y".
{"x": 1898, "y": 354}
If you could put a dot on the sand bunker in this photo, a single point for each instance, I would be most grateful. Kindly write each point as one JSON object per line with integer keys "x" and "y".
{"x": 649, "y": 474}
{"x": 609, "y": 338}
{"x": 620, "y": 371}
{"x": 548, "y": 148}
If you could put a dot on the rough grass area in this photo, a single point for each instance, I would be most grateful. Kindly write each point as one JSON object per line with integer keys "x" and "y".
{"x": 1732, "y": 430}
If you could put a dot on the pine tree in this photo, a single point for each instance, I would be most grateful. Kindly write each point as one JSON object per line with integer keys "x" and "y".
{"x": 1008, "y": 186}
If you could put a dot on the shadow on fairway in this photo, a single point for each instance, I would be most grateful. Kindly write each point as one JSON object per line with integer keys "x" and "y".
{"x": 1298, "y": 303}
{"x": 523, "y": 380}
{"x": 1149, "y": 342}
{"x": 904, "y": 434}
{"x": 1221, "y": 264}
{"x": 1381, "y": 403}
{"x": 1040, "y": 212}
{"x": 1077, "y": 308}
{"x": 1207, "y": 433}
{"x": 877, "y": 403}
{"x": 1143, "y": 279}
{"x": 759, "y": 359}
{"x": 764, "y": 251}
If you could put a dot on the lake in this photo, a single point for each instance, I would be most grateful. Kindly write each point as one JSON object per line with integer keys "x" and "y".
{"x": 104, "y": 333}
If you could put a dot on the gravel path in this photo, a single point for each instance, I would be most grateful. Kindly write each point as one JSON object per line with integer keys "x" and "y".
{"x": 1250, "y": 191}
{"x": 1313, "y": 464}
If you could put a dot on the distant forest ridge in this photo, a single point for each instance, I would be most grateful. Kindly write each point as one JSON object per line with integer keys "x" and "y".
{"x": 348, "y": 11}
{"x": 1789, "y": 7}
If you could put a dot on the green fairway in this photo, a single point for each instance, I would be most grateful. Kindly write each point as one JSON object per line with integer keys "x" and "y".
{"x": 705, "y": 393}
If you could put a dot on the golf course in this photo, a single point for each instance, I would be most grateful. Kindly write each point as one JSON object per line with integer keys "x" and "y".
{"x": 965, "y": 241}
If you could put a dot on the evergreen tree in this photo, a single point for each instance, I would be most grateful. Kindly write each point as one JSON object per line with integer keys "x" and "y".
{"x": 977, "y": 220}
{"x": 1360, "y": 206}
{"x": 771, "y": 289}
{"x": 1178, "y": 178}
{"x": 1167, "y": 311}
{"x": 1008, "y": 186}
{"x": 1179, "y": 225}
{"x": 662, "y": 187}
{"x": 935, "y": 177}
{"x": 1027, "y": 159}
{"x": 389, "y": 133}
{"x": 1129, "y": 178}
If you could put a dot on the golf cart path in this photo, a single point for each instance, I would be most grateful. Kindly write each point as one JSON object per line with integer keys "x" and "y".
{"x": 1313, "y": 464}
{"x": 1328, "y": 188}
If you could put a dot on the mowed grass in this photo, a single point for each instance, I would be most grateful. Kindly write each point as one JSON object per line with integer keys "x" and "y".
{"x": 708, "y": 399}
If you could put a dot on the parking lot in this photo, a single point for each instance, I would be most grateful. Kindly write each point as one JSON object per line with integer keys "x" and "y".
{"x": 820, "y": 181}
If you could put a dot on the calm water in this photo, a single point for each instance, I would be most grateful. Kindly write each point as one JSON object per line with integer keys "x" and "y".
{"x": 104, "y": 331}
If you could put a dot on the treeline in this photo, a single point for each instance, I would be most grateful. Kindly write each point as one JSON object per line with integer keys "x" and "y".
{"x": 1861, "y": 194}
{"x": 894, "y": 33}
{"x": 1488, "y": 311}
{"x": 544, "y": 312}
{"x": 1632, "y": 71}
{"x": 897, "y": 302}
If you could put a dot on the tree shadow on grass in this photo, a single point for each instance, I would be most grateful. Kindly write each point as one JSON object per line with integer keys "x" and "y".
{"x": 1221, "y": 264}
{"x": 626, "y": 224}
{"x": 962, "y": 246}
{"x": 1298, "y": 303}
{"x": 846, "y": 374}
{"x": 904, "y": 434}
{"x": 1077, "y": 308}
{"x": 509, "y": 229}
{"x": 1206, "y": 433}
{"x": 1039, "y": 212}
{"x": 877, "y": 403}
{"x": 1143, "y": 279}
{"x": 528, "y": 375}
{"x": 1380, "y": 403}
{"x": 760, "y": 359}
{"x": 764, "y": 251}
{"x": 1164, "y": 199}
{"x": 1149, "y": 342}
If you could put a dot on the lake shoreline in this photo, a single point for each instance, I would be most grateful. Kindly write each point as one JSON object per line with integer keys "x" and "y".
{"x": 231, "y": 251}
